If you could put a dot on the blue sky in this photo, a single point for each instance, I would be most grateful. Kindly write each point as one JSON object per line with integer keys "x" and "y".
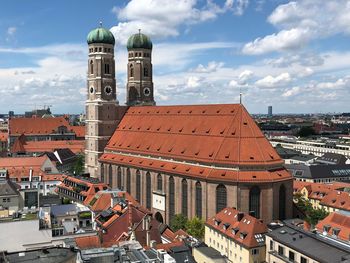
{"x": 293, "y": 55}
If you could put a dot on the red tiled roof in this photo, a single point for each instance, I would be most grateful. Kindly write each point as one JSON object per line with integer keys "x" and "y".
{"x": 37, "y": 126}
{"x": 102, "y": 200}
{"x": 76, "y": 146}
{"x": 88, "y": 242}
{"x": 337, "y": 199}
{"x": 3, "y": 136}
{"x": 79, "y": 131}
{"x": 248, "y": 226}
{"x": 338, "y": 221}
{"x": 169, "y": 246}
{"x": 197, "y": 171}
{"x": 223, "y": 134}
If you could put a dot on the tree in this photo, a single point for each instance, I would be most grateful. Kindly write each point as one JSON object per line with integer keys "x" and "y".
{"x": 312, "y": 215}
{"x": 306, "y": 131}
{"x": 78, "y": 167}
{"x": 195, "y": 227}
{"x": 179, "y": 221}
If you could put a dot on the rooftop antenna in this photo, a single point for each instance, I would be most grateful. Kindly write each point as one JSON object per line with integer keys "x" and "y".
{"x": 240, "y": 96}
{"x": 139, "y": 31}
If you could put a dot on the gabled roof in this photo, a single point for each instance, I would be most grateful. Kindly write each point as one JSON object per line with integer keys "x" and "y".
{"x": 337, "y": 199}
{"x": 241, "y": 227}
{"x": 332, "y": 158}
{"x": 36, "y": 126}
{"x": 76, "y": 146}
{"x": 79, "y": 131}
{"x": 8, "y": 188}
{"x": 86, "y": 242}
{"x": 223, "y": 134}
{"x": 319, "y": 171}
{"x": 335, "y": 221}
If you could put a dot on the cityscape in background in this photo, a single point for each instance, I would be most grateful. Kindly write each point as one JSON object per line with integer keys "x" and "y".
{"x": 137, "y": 178}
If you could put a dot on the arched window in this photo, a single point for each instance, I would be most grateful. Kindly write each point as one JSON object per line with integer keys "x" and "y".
{"x": 282, "y": 204}
{"x": 110, "y": 176}
{"x": 254, "y": 201}
{"x": 91, "y": 67}
{"x": 159, "y": 182}
{"x": 145, "y": 72}
{"x": 106, "y": 68}
{"x": 148, "y": 190}
{"x": 131, "y": 70}
{"x": 102, "y": 177}
{"x": 138, "y": 185}
{"x": 221, "y": 197}
{"x": 128, "y": 179}
{"x": 119, "y": 177}
{"x": 184, "y": 197}
{"x": 171, "y": 198}
{"x": 198, "y": 199}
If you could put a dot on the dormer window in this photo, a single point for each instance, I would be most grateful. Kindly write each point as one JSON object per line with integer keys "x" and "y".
{"x": 235, "y": 230}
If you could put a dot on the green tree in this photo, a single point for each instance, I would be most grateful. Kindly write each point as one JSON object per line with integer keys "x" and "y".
{"x": 312, "y": 215}
{"x": 306, "y": 131}
{"x": 195, "y": 227}
{"x": 179, "y": 221}
{"x": 78, "y": 167}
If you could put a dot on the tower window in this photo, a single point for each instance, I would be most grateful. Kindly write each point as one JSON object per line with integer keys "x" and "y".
{"x": 107, "y": 69}
{"x": 131, "y": 70}
{"x": 145, "y": 72}
{"x": 221, "y": 197}
{"x": 99, "y": 49}
{"x": 254, "y": 201}
{"x": 184, "y": 197}
{"x": 91, "y": 67}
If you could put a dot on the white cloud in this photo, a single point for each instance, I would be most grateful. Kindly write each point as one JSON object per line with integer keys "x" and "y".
{"x": 291, "y": 92}
{"x": 163, "y": 18}
{"x": 245, "y": 76}
{"x": 11, "y": 30}
{"x": 211, "y": 67}
{"x": 272, "y": 82}
{"x": 300, "y": 22}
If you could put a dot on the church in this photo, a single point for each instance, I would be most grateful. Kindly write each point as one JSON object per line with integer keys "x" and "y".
{"x": 193, "y": 160}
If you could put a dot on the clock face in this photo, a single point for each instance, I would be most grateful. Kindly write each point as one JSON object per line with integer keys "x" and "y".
{"x": 108, "y": 90}
{"x": 147, "y": 91}
{"x": 91, "y": 90}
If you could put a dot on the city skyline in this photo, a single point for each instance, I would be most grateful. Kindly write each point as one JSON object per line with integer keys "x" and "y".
{"x": 286, "y": 55}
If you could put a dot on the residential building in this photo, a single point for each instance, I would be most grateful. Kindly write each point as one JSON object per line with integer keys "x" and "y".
{"x": 208, "y": 255}
{"x": 10, "y": 198}
{"x": 290, "y": 243}
{"x": 236, "y": 235}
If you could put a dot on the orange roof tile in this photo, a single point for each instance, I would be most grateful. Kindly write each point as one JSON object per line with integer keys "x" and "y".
{"x": 336, "y": 221}
{"x": 248, "y": 226}
{"x": 88, "y": 242}
{"x": 337, "y": 199}
{"x": 37, "y": 126}
{"x": 221, "y": 134}
{"x": 78, "y": 130}
{"x": 76, "y": 146}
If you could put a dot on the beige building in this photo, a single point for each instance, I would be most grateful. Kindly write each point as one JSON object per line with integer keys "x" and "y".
{"x": 236, "y": 235}
{"x": 208, "y": 255}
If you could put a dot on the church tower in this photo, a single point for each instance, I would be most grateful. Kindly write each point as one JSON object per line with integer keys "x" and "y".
{"x": 101, "y": 103}
{"x": 140, "y": 82}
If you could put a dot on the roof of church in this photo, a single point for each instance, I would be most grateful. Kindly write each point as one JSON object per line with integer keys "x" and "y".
{"x": 223, "y": 135}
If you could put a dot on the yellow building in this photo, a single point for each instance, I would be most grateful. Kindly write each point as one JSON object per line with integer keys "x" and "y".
{"x": 236, "y": 235}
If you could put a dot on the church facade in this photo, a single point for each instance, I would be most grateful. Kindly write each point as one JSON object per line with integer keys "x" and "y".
{"x": 193, "y": 160}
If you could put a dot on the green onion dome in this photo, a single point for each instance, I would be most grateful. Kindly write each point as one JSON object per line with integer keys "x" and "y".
{"x": 139, "y": 40}
{"x": 100, "y": 35}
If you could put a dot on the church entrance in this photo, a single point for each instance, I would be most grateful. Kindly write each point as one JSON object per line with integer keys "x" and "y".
{"x": 158, "y": 216}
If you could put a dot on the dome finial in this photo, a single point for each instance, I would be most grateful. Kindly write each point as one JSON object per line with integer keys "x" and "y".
{"x": 139, "y": 30}
{"x": 100, "y": 23}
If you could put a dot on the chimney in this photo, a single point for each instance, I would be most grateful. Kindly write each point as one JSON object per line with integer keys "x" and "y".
{"x": 240, "y": 215}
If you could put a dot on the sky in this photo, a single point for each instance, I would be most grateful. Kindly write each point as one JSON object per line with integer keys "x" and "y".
{"x": 293, "y": 55}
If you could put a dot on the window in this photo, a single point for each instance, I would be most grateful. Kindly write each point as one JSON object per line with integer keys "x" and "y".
{"x": 171, "y": 197}
{"x": 131, "y": 71}
{"x": 254, "y": 201}
{"x": 107, "y": 69}
{"x": 138, "y": 185}
{"x": 119, "y": 177}
{"x": 198, "y": 199}
{"x": 291, "y": 255}
{"x": 282, "y": 202}
{"x": 280, "y": 250}
{"x": 159, "y": 182}
{"x": 303, "y": 260}
{"x": 91, "y": 67}
{"x": 145, "y": 72}
{"x": 102, "y": 177}
{"x": 110, "y": 176}
{"x": 184, "y": 197}
{"x": 271, "y": 245}
{"x": 148, "y": 190}
{"x": 255, "y": 251}
{"x": 221, "y": 197}
{"x": 128, "y": 181}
